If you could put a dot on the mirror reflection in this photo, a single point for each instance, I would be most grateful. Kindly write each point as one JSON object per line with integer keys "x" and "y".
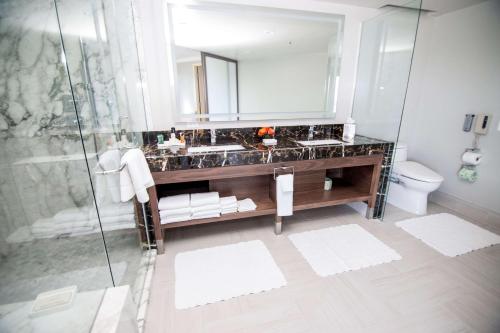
{"x": 246, "y": 63}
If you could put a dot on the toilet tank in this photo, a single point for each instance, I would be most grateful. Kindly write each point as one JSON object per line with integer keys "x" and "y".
{"x": 401, "y": 153}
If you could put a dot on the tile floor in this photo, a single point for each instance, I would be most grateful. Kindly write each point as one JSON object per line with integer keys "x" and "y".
{"x": 423, "y": 292}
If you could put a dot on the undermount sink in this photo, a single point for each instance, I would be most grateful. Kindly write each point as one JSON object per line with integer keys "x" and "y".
{"x": 320, "y": 142}
{"x": 210, "y": 149}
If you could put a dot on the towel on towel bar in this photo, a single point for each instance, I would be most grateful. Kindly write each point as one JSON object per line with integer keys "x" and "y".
{"x": 135, "y": 177}
{"x": 174, "y": 202}
{"x": 284, "y": 195}
{"x": 207, "y": 198}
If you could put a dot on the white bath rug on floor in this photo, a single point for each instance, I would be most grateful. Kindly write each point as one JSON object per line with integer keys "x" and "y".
{"x": 448, "y": 234}
{"x": 339, "y": 249}
{"x": 223, "y": 272}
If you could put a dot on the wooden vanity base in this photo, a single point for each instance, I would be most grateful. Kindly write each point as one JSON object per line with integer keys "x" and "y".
{"x": 354, "y": 179}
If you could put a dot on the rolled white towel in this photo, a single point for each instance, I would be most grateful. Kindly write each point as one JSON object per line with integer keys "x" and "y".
{"x": 205, "y": 208}
{"x": 228, "y": 201}
{"x": 207, "y": 198}
{"x": 246, "y": 205}
{"x": 174, "y": 202}
{"x": 174, "y": 212}
{"x": 179, "y": 218}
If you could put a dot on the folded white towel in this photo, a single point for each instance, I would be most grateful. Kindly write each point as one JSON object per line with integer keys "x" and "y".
{"x": 207, "y": 198}
{"x": 118, "y": 209}
{"x": 206, "y": 215}
{"x": 228, "y": 201}
{"x": 175, "y": 212}
{"x": 229, "y": 210}
{"x": 178, "y": 218}
{"x": 205, "y": 208}
{"x": 206, "y": 212}
{"x": 246, "y": 205}
{"x": 174, "y": 202}
{"x": 135, "y": 177}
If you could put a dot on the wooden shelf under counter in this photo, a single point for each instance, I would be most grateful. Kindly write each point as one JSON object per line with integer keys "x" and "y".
{"x": 355, "y": 179}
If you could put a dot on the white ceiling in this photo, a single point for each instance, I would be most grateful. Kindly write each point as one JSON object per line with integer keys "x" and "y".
{"x": 251, "y": 33}
{"x": 438, "y": 6}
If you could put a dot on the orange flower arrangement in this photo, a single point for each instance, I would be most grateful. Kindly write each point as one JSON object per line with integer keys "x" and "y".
{"x": 266, "y": 132}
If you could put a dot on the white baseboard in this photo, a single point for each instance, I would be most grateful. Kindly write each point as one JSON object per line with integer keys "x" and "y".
{"x": 464, "y": 208}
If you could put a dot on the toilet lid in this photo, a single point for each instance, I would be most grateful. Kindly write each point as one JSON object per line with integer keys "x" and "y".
{"x": 416, "y": 171}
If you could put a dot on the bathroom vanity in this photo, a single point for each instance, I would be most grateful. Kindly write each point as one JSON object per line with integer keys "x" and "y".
{"x": 250, "y": 172}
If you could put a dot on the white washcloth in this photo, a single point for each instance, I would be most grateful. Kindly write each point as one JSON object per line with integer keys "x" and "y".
{"x": 205, "y": 208}
{"x": 175, "y": 212}
{"x": 135, "y": 177}
{"x": 206, "y": 215}
{"x": 284, "y": 195}
{"x": 228, "y": 201}
{"x": 229, "y": 210}
{"x": 246, "y": 205}
{"x": 174, "y": 202}
{"x": 207, "y": 198}
{"x": 178, "y": 218}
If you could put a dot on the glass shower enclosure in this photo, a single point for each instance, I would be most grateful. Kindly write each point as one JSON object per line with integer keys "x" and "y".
{"x": 385, "y": 57}
{"x": 70, "y": 100}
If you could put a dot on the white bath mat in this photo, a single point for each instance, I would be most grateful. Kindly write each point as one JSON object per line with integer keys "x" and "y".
{"x": 448, "y": 234}
{"x": 339, "y": 249}
{"x": 223, "y": 272}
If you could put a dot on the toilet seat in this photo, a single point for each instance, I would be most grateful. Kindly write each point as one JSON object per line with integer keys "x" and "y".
{"x": 416, "y": 171}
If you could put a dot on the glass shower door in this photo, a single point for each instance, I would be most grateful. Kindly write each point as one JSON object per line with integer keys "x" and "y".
{"x": 101, "y": 54}
{"x": 385, "y": 57}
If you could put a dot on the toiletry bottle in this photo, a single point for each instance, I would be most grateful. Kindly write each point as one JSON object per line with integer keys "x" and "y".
{"x": 349, "y": 130}
{"x": 172, "y": 133}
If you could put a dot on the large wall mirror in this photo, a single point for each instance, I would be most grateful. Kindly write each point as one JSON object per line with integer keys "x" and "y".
{"x": 251, "y": 63}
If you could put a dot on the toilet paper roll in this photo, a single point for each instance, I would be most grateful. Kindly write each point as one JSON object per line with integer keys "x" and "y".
{"x": 471, "y": 158}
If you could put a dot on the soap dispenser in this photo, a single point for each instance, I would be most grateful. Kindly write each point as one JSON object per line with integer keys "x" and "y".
{"x": 349, "y": 130}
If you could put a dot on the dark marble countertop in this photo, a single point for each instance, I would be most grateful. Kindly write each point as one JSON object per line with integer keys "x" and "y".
{"x": 287, "y": 149}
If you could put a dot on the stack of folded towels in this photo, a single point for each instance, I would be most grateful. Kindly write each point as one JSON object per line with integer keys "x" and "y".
{"x": 185, "y": 207}
{"x": 229, "y": 205}
{"x": 175, "y": 208}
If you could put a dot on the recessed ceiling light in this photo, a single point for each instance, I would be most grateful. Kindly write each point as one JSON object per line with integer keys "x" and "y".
{"x": 269, "y": 32}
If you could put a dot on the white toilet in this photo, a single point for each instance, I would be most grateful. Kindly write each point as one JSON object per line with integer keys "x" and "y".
{"x": 411, "y": 183}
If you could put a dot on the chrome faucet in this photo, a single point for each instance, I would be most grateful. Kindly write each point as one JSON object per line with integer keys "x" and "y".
{"x": 213, "y": 136}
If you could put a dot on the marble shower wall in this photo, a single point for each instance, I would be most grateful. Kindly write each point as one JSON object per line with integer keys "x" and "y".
{"x": 42, "y": 164}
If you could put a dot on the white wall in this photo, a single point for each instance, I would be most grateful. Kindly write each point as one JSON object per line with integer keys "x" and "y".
{"x": 456, "y": 71}
{"x": 296, "y": 83}
{"x": 159, "y": 78}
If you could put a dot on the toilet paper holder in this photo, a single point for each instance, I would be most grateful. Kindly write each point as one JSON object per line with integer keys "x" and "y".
{"x": 284, "y": 170}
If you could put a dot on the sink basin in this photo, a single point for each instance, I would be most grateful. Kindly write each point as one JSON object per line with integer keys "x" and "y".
{"x": 210, "y": 149}
{"x": 320, "y": 142}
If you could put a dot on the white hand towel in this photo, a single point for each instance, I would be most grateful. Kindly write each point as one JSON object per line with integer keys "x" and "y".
{"x": 205, "y": 208}
{"x": 206, "y": 215}
{"x": 246, "y": 205}
{"x": 284, "y": 195}
{"x": 206, "y": 212}
{"x": 136, "y": 177}
{"x": 229, "y": 210}
{"x": 207, "y": 198}
{"x": 179, "y": 218}
{"x": 174, "y": 202}
{"x": 228, "y": 201}
{"x": 175, "y": 212}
